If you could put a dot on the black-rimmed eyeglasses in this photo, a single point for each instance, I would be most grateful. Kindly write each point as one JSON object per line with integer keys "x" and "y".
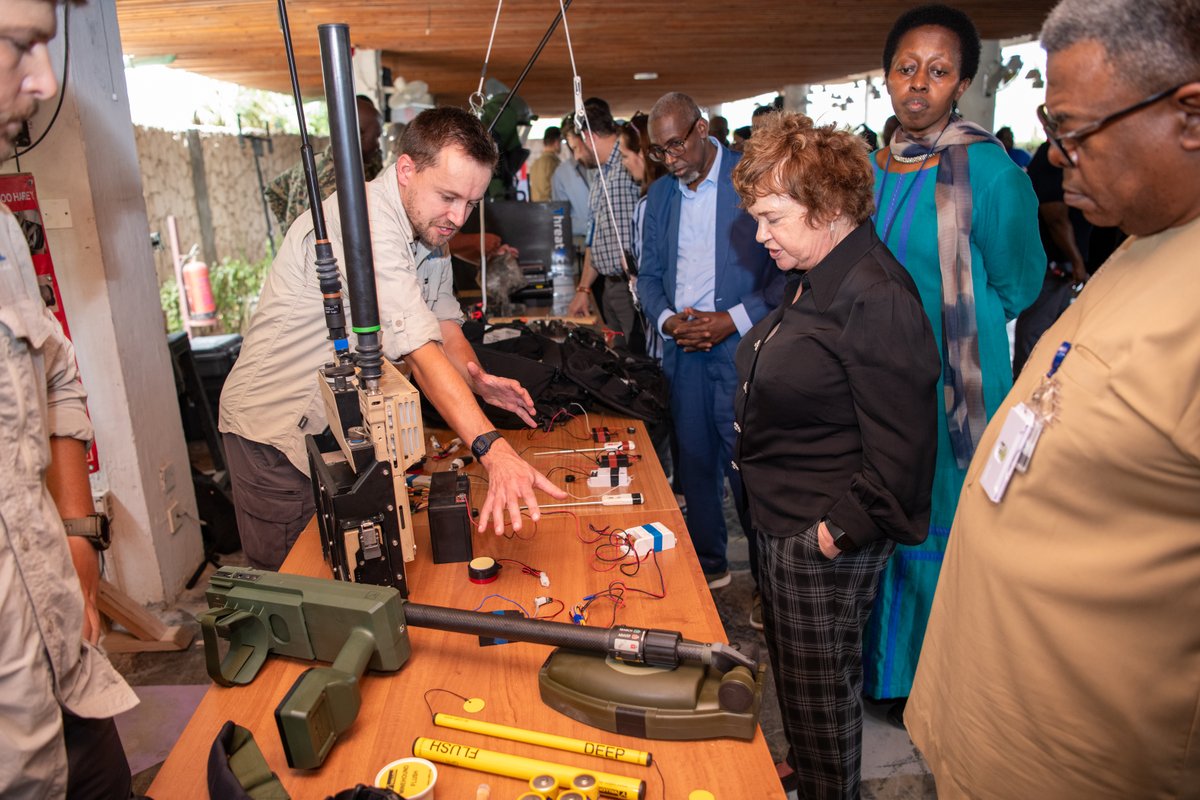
{"x": 1050, "y": 124}
{"x": 673, "y": 148}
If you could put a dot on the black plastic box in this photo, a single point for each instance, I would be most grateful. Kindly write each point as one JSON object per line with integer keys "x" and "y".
{"x": 450, "y": 517}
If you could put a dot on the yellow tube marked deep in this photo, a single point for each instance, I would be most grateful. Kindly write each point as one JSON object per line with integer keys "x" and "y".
{"x": 609, "y": 751}
{"x": 460, "y": 755}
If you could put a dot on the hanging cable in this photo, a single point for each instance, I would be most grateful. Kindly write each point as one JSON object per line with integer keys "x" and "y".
{"x": 62, "y": 85}
{"x": 581, "y": 121}
{"x": 499, "y": 113}
{"x": 477, "y": 99}
{"x": 537, "y": 51}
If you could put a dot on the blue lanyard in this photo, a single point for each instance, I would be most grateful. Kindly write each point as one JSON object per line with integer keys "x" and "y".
{"x": 895, "y": 208}
{"x": 888, "y": 223}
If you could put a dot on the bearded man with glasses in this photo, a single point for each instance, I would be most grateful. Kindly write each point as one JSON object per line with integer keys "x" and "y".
{"x": 704, "y": 281}
{"x": 1062, "y": 656}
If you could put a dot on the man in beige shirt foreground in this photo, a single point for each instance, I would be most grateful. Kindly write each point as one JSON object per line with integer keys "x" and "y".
{"x": 58, "y": 693}
{"x": 1062, "y": 657}
{"x": 271, "y": 401}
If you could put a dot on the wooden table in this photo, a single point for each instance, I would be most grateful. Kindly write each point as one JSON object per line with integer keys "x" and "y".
{"x": 394, "y": 709}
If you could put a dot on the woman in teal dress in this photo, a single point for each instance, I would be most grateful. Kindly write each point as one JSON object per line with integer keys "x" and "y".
{"x": 962, "y": 219}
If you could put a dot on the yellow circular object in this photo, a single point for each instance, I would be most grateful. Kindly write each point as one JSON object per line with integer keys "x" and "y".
{"x": 474, "y": 705}
{"x": 409, "y": 777}
{"x": 701, "y": 794}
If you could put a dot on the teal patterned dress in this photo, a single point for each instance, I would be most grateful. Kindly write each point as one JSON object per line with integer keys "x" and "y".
{"x": 1007, "y": 267}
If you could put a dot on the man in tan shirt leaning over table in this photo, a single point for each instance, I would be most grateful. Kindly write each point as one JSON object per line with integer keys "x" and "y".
{"x": 271, "y": 399}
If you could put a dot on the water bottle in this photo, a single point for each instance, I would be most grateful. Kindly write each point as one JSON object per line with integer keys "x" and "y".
{"x": 562, "y": 280}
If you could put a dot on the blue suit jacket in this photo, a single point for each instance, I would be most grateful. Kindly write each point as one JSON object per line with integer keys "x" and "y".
{"x": 745, "y": 272}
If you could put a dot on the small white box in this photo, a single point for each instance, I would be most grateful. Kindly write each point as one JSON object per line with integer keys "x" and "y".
{"x": 651, "y": 536}
{"x": 608, "y": 478}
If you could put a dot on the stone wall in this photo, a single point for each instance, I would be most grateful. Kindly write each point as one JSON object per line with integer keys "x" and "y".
{"x": 231, "y": 200}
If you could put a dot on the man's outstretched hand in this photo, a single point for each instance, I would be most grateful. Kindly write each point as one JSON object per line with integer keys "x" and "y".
{"x": 511, "y": 484}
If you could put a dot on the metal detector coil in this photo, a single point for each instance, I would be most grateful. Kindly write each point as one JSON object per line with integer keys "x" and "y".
{"x": 692, "y": 701}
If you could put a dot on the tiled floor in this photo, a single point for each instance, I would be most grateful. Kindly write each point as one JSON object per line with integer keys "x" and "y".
{"x": 171, "y": 685}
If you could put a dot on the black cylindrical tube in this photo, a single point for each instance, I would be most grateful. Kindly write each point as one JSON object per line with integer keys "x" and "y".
{"x": 615, "y": 642}
{"x": 520, "y": 629}
{"x": 352, "y": 199}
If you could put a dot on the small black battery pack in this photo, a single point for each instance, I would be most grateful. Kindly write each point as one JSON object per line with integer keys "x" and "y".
{"x": 450, "y": 517}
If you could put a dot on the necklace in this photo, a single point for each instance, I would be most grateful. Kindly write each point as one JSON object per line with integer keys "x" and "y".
{"x": 921, "y": 159}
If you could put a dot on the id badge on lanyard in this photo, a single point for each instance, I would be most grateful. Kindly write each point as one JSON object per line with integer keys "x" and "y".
{"x": 1021, "y": 431}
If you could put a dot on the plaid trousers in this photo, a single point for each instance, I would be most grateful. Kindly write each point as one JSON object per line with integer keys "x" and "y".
{"x": 814, "y": 613}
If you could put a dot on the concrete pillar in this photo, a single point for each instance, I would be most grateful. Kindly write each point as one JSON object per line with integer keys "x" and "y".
{"x": 368, "y": 75}
{"x": 110, "y": 291}
{"x": 795, "y": 97}
{"x": 978, "y": 104}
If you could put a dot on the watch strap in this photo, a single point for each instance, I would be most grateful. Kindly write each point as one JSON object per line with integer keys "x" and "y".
{"x": 93, "y": 527}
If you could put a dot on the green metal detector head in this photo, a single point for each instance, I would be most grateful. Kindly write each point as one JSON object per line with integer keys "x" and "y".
{"x": 691, "y": 701}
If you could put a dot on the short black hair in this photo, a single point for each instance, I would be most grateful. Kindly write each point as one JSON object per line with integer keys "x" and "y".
{"x": 762, "y": 110}
{"x": 744, "y": 131}
{"x": 953, "y": 20}
{"x": 553, "y": 134}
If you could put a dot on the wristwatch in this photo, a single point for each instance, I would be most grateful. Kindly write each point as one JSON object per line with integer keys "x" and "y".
{"x": 483, "y": 443}
{"x": 93, "y": 527}
{"x": 841, "y": 539}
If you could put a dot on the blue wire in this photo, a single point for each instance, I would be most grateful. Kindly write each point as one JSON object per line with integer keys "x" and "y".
{"x": 520, "y": 607}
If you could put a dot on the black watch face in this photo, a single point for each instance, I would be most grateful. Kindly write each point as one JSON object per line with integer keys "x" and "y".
{"x": 483, "y": 443}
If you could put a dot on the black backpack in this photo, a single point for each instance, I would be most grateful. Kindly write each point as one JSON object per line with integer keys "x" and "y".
{"x": 574, "y": 375}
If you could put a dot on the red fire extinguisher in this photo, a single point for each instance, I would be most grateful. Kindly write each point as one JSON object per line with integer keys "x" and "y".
{"x": 198, "y": 289}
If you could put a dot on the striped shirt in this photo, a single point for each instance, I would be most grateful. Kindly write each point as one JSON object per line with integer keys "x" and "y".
{"x": 606, "y": 241}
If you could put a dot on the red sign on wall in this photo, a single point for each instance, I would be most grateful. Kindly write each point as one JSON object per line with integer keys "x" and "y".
{"x": 20, "y": 195}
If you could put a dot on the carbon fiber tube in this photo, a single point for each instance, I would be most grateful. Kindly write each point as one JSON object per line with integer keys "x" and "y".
{"x": 625, "y": 644}
{"x": 352, "y": 199}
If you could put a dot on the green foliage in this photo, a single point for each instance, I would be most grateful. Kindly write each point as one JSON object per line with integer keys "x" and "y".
{"x": 235, "y": 287}
{"x": 168, "y": 297}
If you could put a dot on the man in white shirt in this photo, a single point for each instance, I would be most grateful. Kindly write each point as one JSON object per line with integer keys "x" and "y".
{"x": 271, "y": 401}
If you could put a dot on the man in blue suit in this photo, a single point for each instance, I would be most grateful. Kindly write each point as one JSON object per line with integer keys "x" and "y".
{"x": 703, "y": 281}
